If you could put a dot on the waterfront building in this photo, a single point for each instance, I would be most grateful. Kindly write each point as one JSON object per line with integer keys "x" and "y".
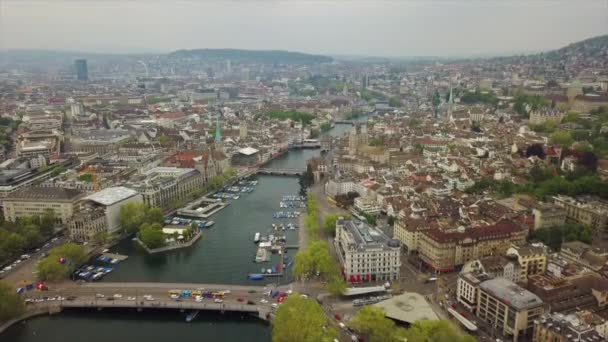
{"x": 164, "y": 187}
{"x": 366, "y": 254}
{"x": 34, "y": 201}
{"x": 111, "y": 200}
{"x": 88, "y": 221}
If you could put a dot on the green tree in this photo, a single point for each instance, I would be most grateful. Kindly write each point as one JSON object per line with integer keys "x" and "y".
{"x": 302, "y": 320}
{"x": 372, "y": 323}
{"x": 337, "y": 286}
{"x": 47, "y": 222}
{"x": 154, "y": 215}
{"x": 101, "y": 238}
{"x": 131, "y": 216}
{"x": 330, "y": 222}
{"x": 394, "y": 102}
{"x": 163, "y": 139}
{"x": 435, "y": 331}
{"x": 57, "y": 170}
{"x": 86, "y": 177}
{"x": 11, "y": 304}
{"x": 52, "y": 269}
{"x": 562, "y": 138}
{"x": 152, "y": 235}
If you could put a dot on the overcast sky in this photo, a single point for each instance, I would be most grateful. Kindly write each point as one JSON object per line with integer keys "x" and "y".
{"x": 347, "y": 27}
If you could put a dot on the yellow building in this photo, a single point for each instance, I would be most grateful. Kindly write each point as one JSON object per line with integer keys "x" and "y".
{"x": 34, "y": 201}
{"x": 532, "y": 260}
{"x": 443, "y": 250}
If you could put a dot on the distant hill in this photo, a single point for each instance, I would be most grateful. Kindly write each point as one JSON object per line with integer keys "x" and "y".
{"x": 260, "y": 56}
{"x": 592, "y": 47}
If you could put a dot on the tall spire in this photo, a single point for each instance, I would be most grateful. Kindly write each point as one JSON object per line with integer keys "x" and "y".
{"x": 218, "y": 132}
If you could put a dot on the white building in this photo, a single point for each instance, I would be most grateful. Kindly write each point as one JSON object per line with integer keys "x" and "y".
{"x": 366, "y": 254}
{"x": 112, "y": 199}
{"x": 367, "y": 205}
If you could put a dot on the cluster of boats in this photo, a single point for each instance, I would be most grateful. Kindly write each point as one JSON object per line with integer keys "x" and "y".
{"x": 289, "y": 204}
{"x": 289, "y": 226}
{"x": 236, "y": 189}
{"x": 294, "y": 198}
{"x": 180, "y": 221}
{"x": 370, "y": 300}
{"x": 92, "y": 273}
{"x": 286, "y": 214}
{"x": 109, "y": 260}
{"x": 225, "y": 195}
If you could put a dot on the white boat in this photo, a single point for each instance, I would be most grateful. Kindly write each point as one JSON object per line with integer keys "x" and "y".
{"x": 209, "y": 224}
{"x": 256, "y": 238}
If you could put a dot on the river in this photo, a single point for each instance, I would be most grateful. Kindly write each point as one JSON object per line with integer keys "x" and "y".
{"x": 224, "y": 255}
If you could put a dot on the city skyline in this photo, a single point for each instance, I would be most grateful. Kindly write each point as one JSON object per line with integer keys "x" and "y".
{"x": 396, "y": 29}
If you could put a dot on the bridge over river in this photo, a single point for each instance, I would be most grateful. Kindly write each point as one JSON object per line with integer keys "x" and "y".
{"x": 155, "y": 296}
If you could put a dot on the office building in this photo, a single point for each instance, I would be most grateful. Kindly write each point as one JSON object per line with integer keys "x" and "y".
{"x": 82, "y": 72}
{"x": 366, "y": 254}
{"x": 111, "y": 200}
{"x": 34, "y": 201}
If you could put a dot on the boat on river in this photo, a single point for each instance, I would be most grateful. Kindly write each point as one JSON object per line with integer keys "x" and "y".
{"x": 255, "y": 276}
{"x": 191, "y": 315}
{"x": 256, "y": 238}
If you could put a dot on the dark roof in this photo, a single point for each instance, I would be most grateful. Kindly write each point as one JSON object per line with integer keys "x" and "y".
{"x": 45, "y": 194}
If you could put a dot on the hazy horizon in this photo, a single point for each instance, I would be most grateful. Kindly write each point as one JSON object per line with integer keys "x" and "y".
{"x": 393, "y": 29}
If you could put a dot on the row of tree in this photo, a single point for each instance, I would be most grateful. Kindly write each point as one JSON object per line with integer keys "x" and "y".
{"x": 303, "y": 320}
{"x": 26, "y": 234}
{"x": 147, "y": 223}
{"x": 61, "y": 262}
{"x": 316, "y": 259}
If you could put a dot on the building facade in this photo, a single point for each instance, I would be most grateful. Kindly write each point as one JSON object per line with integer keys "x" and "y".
{"x": 35, "y": 201}
{"x": 366, "y": 254}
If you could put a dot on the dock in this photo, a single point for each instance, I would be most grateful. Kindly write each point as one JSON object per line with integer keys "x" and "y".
{"x": 119, "y": 257}
{"x": 202, "y": 208}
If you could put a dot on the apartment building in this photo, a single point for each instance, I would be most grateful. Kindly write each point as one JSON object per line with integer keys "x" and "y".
{"x": 558, "y": 327}
{"x": 366, "y": 254}
{"x": 508, "y": 308}
{"x": 34, "y": 201}
{"x": 367, "y": 205}
{"x": 547, "y": 216}
{"x": 587, "y": 210}
{"x": 532, "y": 260}
{"x": 88, "y": 221}
{"x": 444, "y": 250}
{"x": 162, "y": 187}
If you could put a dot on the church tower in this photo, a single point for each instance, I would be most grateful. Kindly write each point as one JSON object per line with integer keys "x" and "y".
{"x": 218, "y": 135}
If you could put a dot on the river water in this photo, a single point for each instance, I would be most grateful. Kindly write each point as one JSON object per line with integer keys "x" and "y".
{"x": 224, "y": 255}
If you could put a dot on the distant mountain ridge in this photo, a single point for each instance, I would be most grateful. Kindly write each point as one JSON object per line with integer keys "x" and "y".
{"x": 262, "y": 56}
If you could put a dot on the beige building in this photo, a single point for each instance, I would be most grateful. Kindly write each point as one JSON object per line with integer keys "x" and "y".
{"x": 163, "y": 187}
{"x": 547, "y": 216}
{"x": 508, "y": 308}
{"x": 558, "y": 327}
{"x": 366, "y": 254}
{"x": 34, "y": 201}
{"x": 545, "y": 115}
{"x": 587, "y": 210}
{"x": 444, "y": 250}
{"x": 88, "y": 221}
{"x": 532, "y": 260}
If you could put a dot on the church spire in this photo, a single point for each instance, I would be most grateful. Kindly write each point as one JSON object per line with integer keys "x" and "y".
{"x": 218, "y": 132}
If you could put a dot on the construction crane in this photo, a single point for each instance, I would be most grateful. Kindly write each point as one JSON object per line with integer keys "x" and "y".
{"x": 91, "y": 170}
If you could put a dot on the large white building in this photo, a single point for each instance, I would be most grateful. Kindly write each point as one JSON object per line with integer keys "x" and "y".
{"x": 366, "y": 254}
{"x": 112, "y": 199}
